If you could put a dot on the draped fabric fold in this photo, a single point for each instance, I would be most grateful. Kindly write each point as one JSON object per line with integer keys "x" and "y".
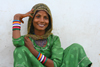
{"x": 30, "y": 28}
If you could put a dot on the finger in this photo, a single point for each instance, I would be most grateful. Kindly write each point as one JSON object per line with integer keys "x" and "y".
{"x": 26, "y": 15}
{"x": 30, "y": 16}
{"x": 30, "y": 12}
{"x": 26, "y": 38}
{"x": 26, "y": 43}
{"x": 21, "y": 20}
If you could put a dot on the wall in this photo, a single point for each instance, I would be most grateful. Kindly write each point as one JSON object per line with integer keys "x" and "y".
{"x": 74, "y": 21}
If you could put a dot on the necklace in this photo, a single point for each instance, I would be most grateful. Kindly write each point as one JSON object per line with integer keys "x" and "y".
{"x": 41, "y": 42}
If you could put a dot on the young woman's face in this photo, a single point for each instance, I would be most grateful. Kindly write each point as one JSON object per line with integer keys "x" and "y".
{"x": 40, "y": 21}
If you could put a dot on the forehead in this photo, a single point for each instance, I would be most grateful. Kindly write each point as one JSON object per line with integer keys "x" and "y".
{"x": 41, "y": 12}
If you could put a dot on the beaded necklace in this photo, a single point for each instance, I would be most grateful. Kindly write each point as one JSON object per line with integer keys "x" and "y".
{"x": 41, "y": 42}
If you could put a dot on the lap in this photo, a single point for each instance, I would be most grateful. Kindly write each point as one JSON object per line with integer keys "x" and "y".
{"x": 23, "y": 57}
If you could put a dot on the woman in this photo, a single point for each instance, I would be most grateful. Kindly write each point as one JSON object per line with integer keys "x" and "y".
{"x": 40, "y": 48}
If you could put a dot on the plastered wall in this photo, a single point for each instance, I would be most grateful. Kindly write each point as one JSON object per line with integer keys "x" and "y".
{"x": 74, "y": 21}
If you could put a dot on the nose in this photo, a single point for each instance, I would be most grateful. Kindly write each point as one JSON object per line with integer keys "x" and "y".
{"x": 42, "y": 19}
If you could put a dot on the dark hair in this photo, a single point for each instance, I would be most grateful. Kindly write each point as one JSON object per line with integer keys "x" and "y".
{"x": 32, "y": 27}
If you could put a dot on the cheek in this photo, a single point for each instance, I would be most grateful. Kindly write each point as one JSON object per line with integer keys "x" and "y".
{"x": 34, "y": 22}
{"x": 47, "y": 22}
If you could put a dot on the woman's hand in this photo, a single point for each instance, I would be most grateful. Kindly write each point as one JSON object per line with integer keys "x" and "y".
{"x": 28, "y": 43}
{"x": 21, "y": 16}
{"x": 30, "y": 46}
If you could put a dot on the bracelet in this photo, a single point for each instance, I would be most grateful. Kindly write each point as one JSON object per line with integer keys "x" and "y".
{"x": 45, "y": 61}
{"x": 16, "y": 25}
{"x": 42, "y": 58}
{"x": 38, "y": 55}
{"x": 16, "y": 20}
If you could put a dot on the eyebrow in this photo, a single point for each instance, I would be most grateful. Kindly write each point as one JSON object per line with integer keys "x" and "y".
{"x": 40, "y": 14}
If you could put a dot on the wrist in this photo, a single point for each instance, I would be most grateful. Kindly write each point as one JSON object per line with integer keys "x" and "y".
{"x": 17, "y": 17}
{"x": 16, "y": 25}
{"x": 33, "y": 51}
{"x": 31, "y": 48}
{"x": 42, "y": 58}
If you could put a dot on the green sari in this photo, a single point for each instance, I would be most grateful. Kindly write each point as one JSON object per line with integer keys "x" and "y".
{"x": 72, "y": 56}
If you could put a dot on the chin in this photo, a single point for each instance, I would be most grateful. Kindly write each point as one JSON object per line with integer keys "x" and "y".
{"x": 41, "y": 29}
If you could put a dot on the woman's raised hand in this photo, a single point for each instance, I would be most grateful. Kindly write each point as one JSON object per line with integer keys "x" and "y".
{"x": 21, "y": 16}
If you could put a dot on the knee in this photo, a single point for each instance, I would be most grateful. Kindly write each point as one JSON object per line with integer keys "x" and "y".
{"x": 76, "y": 45}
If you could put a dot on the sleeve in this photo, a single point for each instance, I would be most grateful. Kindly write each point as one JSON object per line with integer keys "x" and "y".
{"x": 57, "y": 52}
{"x": 18, "y": 42}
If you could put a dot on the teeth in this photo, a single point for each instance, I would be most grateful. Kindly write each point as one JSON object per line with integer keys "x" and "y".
{"x": 41, "y": 25}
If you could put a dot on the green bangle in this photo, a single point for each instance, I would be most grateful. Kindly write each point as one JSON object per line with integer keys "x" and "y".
{"x": 16, "y": 29}
{"x": 45, "y": 60}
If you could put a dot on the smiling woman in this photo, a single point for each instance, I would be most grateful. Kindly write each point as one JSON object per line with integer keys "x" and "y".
{"x": 40, "y": 22}
{"x": 40, "y": 48}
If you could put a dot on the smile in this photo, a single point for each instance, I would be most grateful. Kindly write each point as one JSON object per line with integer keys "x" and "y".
{"x": 40, "y": 25}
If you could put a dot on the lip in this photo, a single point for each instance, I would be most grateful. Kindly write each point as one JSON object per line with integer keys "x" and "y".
{"x": 41, "y": 25}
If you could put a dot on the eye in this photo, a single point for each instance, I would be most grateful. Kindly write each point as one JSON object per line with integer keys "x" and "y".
{"x": 37, "y": 16}
{"x": 45, "y": 17}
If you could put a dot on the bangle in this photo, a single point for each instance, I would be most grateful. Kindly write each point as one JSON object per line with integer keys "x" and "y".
{"x": 45, "y": 61}
{"x": 42, "y": 58}
{"x": 38, "y": 55}
{"x": 16, "y": 20}
{"x": 16, "y": 25}
{"x": 16, "y": 29}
